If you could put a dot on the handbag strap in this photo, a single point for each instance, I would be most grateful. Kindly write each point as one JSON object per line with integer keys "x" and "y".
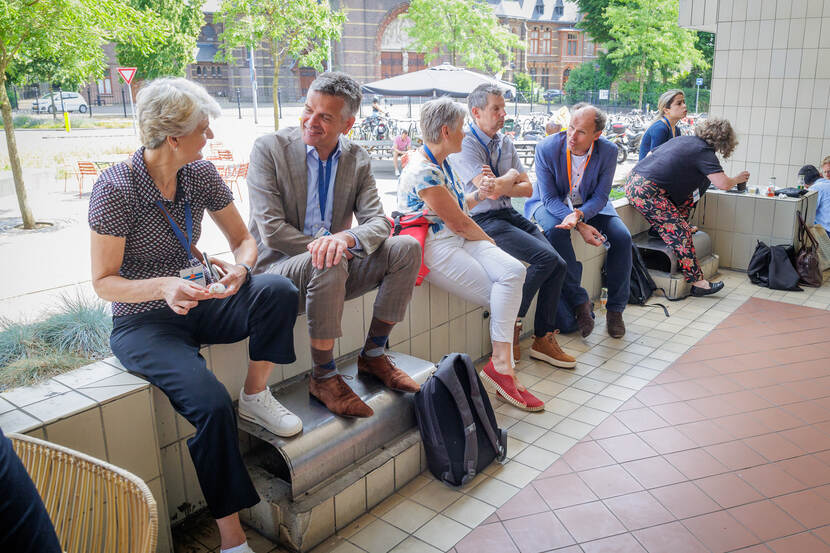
{"x": 804, "y": 230}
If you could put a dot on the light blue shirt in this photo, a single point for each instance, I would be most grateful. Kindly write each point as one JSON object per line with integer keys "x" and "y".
{"x": 467, "y": 163}
{"x": 823, "y": 205}
{"x": 313, "y": 220}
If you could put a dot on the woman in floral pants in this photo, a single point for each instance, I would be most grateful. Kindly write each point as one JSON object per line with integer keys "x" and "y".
{"x": 664, "y": 186}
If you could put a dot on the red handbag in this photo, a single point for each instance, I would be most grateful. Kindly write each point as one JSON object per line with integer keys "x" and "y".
{"x": 417, "y": 226}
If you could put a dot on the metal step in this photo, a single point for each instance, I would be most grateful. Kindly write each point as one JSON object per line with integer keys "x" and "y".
{"x": 329, "y": 443}
{"x": 659, "y": 256}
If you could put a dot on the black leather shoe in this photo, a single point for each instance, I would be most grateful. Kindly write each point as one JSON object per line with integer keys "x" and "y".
{"x": 714, "y": 288}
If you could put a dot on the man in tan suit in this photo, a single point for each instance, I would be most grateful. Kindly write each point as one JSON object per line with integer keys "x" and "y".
{"x": 306, "y": 184}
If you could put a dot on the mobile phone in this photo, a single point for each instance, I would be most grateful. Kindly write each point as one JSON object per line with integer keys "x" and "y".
{"x": 211, "y": 269}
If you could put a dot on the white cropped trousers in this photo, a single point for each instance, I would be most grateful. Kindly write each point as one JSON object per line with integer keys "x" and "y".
{"x": 481, "y": 273}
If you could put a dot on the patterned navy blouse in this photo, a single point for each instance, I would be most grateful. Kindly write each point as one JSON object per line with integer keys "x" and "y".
{"x": 123, "y": 203}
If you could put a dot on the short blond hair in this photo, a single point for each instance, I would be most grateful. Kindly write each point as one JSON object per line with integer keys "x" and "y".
{"x": 825, "y": 161}
{"x": 172, "y": 107}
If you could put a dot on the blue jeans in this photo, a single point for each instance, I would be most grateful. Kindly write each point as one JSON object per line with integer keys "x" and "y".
{"x": 520, "y": 238}
{"x": 617, "y": 263}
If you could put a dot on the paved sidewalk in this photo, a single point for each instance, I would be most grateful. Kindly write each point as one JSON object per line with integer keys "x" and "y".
{"x": 600, "y": 471}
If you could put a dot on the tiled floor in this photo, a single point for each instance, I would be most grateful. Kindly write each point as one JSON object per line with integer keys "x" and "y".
{"x": 726, "y": 449}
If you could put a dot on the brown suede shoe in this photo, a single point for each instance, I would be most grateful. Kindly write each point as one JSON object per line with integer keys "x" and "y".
{"x": 547, "y": 349}
{"x": 385, "y": 370}
{"x": 335, "y": 394}
{"x": 584, "y": 320}
{"x": 614, "y": 323}
{"x": 517, "y": 330}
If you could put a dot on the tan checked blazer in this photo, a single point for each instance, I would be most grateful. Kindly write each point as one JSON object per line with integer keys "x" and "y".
{"x": 278, "y": 188}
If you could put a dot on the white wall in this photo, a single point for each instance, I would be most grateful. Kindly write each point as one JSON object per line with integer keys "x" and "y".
{"x": 771, "y": 80}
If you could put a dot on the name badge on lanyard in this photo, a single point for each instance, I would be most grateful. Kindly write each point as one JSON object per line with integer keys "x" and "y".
{"x": 196, "y": 271}
{"x": 696, "y": 195}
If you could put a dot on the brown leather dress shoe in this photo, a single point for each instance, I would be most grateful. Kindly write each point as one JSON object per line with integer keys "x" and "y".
{"x": 614, "y": 323}
{"x": 517, "y": 330}
{"x": 584, "y": 320}
{"x": 335, "y": 394}
{"x": 385, "y": 370}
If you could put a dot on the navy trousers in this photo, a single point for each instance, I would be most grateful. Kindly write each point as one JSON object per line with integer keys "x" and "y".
{"x": 618, "y": 261}
{"x": 163, "y": 347}
{"x": 24, "y": 523}
{"x": 520, "y": 238}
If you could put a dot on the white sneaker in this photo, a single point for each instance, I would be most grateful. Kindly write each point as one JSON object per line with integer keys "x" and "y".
{"x": 269, "y": 413}
{"x": 397, "y": 173}
{"x": 244, "y": 548}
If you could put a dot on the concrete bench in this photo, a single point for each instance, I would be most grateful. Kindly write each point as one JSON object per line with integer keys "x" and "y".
{"x": 661, "y": 262}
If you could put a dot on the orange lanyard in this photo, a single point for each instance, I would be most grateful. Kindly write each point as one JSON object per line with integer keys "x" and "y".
{"x": 584, "y": 169}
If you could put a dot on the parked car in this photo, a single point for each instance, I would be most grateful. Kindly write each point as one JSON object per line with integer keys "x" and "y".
{"x": 552, "y": 94}
{"x": 72, "y": 101}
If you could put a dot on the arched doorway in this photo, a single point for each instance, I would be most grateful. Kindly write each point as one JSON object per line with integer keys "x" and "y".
{"x": 395, "y": 59}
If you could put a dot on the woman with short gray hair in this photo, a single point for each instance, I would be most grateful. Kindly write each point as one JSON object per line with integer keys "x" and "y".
{"x": 460, "y": 257}
{"x": 145, "y": 217}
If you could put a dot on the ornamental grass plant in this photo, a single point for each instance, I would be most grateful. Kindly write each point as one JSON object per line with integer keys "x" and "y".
{"x": 70, "y": 336}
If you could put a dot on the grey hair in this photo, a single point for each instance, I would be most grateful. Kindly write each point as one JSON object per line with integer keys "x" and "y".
{"x": 172, "y": 107}
{"x": 480, "y": 96}
{"x": 335, "y": 83}
{"x": 599, "y": 116}
{"x": 437, "y": 113}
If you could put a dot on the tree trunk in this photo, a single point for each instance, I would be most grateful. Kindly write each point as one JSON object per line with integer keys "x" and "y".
{"x": 642, "y": 77}
{"x": 14, "y": 158}
{"x": 275, "y": 90}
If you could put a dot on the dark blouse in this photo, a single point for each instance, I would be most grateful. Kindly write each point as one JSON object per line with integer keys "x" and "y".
{"x": 680, "y": 166}
{"x": 658, "y": 133}
{"x": 123, "y": 203}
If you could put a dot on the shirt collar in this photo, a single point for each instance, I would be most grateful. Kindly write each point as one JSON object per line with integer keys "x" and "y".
{"x": 146, "y": 188}
{"x": 311, "y": 152}
{"x": 496, "y": 137}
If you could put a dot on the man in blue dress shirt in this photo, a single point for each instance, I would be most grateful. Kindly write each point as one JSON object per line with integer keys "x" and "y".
{"x": 306, "y": 186}
{"x": 574, "y": 174}
{"x": 486, "y": 153}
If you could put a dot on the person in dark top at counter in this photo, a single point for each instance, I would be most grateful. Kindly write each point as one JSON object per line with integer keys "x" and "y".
{"x": 665, "y": 185}
{"x": 671, "y": 108}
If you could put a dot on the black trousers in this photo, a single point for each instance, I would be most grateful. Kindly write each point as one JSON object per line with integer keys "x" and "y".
{"x": 24, "y": 523}
{"x": 520, "y": 238}
{"x": 163, "y": 347}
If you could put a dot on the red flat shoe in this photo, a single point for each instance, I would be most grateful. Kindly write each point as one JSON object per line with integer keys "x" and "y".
{"x": 504, "y": 384}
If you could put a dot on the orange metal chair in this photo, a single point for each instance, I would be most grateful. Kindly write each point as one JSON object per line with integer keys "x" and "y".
{"x": 84, "y": 169}
{"x": 241, "y": 174}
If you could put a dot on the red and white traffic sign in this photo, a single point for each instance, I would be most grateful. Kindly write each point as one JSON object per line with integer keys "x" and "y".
{"x": 127, "y": 73}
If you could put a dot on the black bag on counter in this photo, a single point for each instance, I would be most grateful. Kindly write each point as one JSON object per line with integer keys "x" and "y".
{"x": 772, "y": 267}
{"x": 457, "y": 423}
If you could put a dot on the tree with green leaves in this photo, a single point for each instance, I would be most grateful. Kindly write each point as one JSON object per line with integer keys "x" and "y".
{"x": 299, "y": 29}
{"x": 647, "y": 39}
{"x": 70, "y": 35}
{"x": 584, "y": 78}
{"x": 172, "y": 53}
{"x": 467, "y": 30}
{"x": 593, "y": 21}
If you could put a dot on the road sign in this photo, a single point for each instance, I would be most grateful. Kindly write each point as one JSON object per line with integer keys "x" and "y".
{"x": 127, "y": 73}
{"x": 699, "y": 81}
{"x": 603, "y": 94}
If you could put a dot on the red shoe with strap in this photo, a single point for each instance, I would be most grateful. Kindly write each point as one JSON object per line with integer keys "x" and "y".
{"x": 504, "y": 384}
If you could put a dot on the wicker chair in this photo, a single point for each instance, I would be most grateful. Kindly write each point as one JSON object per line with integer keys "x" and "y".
{"x": 95, "y": 507}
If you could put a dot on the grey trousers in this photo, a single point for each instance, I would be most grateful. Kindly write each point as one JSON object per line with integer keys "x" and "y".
{"x": 392, "y": 268}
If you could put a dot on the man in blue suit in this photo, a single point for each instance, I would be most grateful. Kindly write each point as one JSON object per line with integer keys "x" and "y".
{"x": 574, "y": 173}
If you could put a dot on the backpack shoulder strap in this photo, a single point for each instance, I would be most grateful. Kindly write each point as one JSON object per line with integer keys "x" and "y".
{"x": 478, "y": 403}
{"x": 450, "y": 380}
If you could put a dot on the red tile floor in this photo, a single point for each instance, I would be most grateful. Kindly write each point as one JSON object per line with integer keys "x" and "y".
{"x": 728, "y": 449}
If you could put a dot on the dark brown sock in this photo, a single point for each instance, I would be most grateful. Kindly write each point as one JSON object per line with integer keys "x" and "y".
{"x": 377, "y": 337}
{"x": 323, "y": 360}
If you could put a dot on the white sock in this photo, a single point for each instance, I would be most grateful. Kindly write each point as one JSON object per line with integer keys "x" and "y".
{"x": 252, "y": 397}
{"x": 242, "y": 548}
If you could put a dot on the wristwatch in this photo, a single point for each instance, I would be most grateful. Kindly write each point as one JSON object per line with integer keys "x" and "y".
{"x": 247, "y": 271}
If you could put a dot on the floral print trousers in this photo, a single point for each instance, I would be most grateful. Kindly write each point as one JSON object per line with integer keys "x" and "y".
{"x": 670, "y": 221}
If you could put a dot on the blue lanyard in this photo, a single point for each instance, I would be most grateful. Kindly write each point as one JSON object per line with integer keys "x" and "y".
{"x": 185, "y": 240}
{"x": 323, "y": 180}
{"x": 487, "y": 149}
{"x": 447, "y": 173}
{"x": 671, "y": 129}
